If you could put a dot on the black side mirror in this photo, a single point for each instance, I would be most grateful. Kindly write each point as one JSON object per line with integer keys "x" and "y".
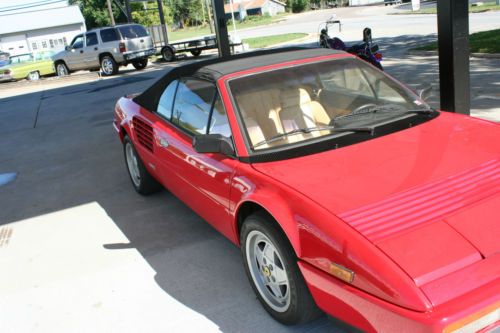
{"x": 67, "y": 48}
{"x": 213, "y": 143}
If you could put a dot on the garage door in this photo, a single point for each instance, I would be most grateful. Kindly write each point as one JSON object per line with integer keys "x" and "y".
{"x": 16, "y": 44}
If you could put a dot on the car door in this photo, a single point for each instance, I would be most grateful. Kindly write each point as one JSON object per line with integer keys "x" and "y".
{"x": 91, "y": 50}
{"x": 74, "y": 55}
{"x": 202, "y": 181}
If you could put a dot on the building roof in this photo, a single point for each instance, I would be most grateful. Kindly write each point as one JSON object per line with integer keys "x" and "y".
{"x": 40, "y": 19}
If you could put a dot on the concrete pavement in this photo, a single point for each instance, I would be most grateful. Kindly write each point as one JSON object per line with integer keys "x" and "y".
{"x": 82, "y": 252}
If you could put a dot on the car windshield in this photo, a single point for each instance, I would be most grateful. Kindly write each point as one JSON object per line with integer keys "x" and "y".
{"x": 294, "y": 104}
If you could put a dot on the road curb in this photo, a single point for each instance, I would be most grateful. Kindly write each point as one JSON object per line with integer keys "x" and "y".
{"x": 472, "y": 55}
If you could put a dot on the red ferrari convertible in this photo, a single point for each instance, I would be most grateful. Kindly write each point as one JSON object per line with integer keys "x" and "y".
{"x": 346, "y": 192}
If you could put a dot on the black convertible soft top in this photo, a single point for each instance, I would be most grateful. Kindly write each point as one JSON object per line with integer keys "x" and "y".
{"x": 212, "y": 69}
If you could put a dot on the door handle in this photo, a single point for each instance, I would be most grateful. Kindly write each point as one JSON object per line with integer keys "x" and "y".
{"x": 95, "y": 48}
{"x": 142, "y": 41}
{"x": 164, "y": 143}
{"x": 81, "y": 51}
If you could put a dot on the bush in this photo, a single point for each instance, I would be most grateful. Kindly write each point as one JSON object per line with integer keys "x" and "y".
{"x": 299, "y": 5}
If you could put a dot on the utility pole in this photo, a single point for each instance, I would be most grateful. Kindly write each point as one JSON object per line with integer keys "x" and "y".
{"x": 221, "y": 28}
{"x": 162, "y": 21}
{"x": 210, "y": 21}
{"x": 110, "y": 10}
{"x": 129, "y": 11}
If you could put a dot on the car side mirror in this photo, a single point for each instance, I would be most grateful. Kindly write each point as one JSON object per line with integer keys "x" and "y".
{"x": 425, "y": 92}
{"x": 67, "y": 48}
{"x": 213, "y": 143}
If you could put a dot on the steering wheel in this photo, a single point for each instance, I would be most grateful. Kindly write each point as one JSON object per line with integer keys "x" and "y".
{"x": 364, "y": 106}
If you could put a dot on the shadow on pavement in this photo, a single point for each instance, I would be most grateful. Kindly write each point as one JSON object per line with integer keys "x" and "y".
{"x": 73, "y": 157}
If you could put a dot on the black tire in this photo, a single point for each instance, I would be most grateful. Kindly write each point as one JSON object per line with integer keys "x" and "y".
{"x": 301, "y": 307}
{"x": 145, "y": 184}
{"x": 62, "y": 69}
{"x": 196, "y": 53}
{"x": 140, "y": 64}
{"x": 168, "y": 54}
{"x": 108, "y": 65}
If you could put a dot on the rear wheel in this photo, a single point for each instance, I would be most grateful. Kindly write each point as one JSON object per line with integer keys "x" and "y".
{"x": 61, "y": 69}
{"x": 142, "y": 181}
{"x": 33, "y": 76}
{"x": 140, "y": 64}
{"x": 108, "y": 65}
{"x": 168, "y": 54}
{"x": 271, "y": 267}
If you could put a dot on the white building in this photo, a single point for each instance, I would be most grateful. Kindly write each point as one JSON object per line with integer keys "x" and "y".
{"x": 243, "y": 8}
{"x": 48, "y": 29}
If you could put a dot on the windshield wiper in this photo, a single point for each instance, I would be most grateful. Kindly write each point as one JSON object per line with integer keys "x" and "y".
{"x": 387, "y": 108}
{"x": 332, "y": 129}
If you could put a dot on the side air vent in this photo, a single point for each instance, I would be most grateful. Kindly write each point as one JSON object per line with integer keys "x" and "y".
{"x": 144, "y": 133}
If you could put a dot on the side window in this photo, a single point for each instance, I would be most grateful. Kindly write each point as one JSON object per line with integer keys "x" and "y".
{"x": 192, "y": 105}
{"x": 77, "y": 42}
{"x": 167, "y": 100}
{"x": 91, "y": 39}
{"x": 109, "y": 35}
{"x": 219, "y": 123}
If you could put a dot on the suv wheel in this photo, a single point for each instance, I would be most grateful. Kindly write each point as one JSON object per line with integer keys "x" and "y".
{"x": 62, "y": 69}
{"x": 33, "y": 76}
{"x": 108, "y": 65}
{"x": 140, "y": 64}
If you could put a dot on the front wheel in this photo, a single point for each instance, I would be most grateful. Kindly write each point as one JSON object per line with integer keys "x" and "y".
{"x": 108, "y": 66}
{"x": 62, "y": 69}
{"x": 271, "y": 267}
{"x": 140, "y": 64}
{"x": 143, "y": 182}
{"x": 196, "y": 53}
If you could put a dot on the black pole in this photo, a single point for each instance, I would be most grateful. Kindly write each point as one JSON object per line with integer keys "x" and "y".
{"x": 221, "y": 28}
{"x": 162, "y": 21}
{"x": 129, "y": 11}
{"x": 453, "y": 42}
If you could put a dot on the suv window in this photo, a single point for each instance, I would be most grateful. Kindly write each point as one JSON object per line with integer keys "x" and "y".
{"x": 91, "y": 39}
{"x": 133, "y": 31}
{"x": 192, "y": 105}
{"x": 77, "y": 42}
{"x": 167, "y": 100}
{"x": 109, "y": 35}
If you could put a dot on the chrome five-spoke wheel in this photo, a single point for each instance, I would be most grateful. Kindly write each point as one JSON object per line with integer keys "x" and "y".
{"x": 268, "y": 271}
{"x": 133, "y": 167}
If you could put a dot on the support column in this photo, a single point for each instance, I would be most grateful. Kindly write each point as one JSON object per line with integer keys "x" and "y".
{"x": 221, "y": 28}
{"x": 453, "y": 42}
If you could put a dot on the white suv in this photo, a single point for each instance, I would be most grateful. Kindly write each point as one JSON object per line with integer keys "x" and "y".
{"x": 106, "y": 49}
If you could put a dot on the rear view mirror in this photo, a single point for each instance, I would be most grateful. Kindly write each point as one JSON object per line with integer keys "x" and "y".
{"x": 425, "y": 92}
{"x": 213, "y": 143}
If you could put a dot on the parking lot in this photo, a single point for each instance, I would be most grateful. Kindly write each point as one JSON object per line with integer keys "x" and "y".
{"x": 81, "y": 251}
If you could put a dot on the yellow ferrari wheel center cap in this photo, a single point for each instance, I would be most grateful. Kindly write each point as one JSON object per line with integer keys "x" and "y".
{"x": 266, "y": 271}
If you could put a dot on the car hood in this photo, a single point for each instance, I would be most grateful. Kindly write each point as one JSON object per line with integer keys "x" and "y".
{"x": 427, "y": 196}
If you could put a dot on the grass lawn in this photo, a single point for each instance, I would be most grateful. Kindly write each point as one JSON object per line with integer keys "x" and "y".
{"x": 482, "y": 42}
{"x": 472, "y": 9}
{"x": 260, "y": 42}
{"x": 250, "y": 22}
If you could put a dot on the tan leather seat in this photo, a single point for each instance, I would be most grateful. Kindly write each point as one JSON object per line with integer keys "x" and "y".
{"x": 299, "y": 111}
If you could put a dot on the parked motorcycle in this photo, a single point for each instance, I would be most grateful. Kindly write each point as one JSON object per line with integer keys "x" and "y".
{"x": 367, "y": 51}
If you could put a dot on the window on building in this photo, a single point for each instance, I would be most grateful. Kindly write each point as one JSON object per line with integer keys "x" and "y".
{"x": 51, "y": 41}
{"x": 34, "y": 46}
{"x": 44, "y": 44}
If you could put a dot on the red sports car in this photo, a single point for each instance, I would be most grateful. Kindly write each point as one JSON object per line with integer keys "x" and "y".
{"x": 345, "y": 191}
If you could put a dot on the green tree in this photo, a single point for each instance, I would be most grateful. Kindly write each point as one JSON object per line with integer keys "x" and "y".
{"x": 96, "y": 14}
{"x": 149, "y": 16}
